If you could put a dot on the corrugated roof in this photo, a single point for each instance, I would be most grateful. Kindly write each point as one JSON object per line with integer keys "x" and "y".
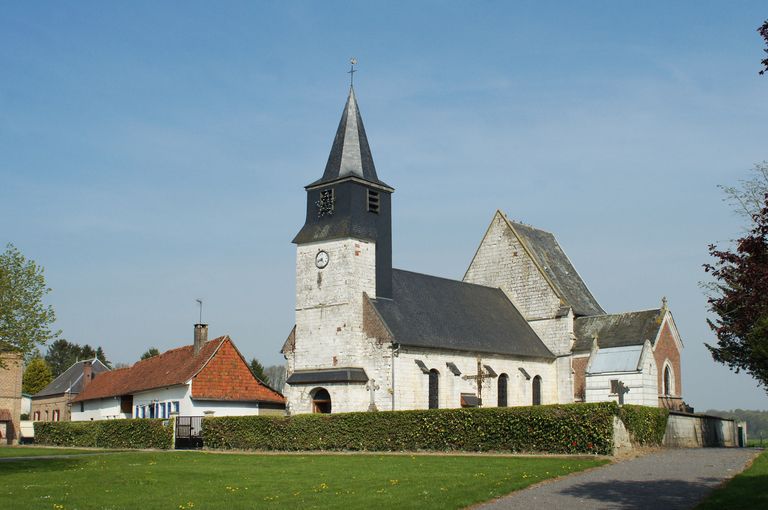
{"x": 432, "y": 312}
{"x": 555, "y": 263}
{"x": 170, "y": 368}
{"x": 616, "y": 359}
{"x": 617, "y": 330}
{"x": 71, "y": 379}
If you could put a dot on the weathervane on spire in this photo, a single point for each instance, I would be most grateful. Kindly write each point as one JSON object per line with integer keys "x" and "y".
{"x": 352, "y": 70}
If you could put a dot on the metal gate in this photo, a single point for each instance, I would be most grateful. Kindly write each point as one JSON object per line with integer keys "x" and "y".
{"x": 189, "y": 432}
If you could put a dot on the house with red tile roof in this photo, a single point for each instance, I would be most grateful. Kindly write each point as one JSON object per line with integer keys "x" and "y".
{"x": 206, "y": 378}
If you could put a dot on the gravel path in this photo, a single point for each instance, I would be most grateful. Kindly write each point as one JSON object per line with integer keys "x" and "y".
{"x": 670, "y": 479}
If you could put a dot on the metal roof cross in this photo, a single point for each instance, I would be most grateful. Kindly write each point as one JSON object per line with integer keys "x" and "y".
{"x": 352, "y": 70}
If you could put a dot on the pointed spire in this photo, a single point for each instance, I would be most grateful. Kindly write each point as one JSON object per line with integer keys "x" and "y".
{"x": 350, "y": 154}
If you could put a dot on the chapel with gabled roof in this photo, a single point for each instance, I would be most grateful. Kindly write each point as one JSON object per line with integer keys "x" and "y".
{"x": 521, "y": 328}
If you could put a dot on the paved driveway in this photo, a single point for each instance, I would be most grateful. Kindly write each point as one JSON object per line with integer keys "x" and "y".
{"x": 670, "y": 479}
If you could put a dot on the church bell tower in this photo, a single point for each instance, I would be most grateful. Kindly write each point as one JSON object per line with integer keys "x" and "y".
{"x": 349, "y": 201}
{"x": 343, "y": 253}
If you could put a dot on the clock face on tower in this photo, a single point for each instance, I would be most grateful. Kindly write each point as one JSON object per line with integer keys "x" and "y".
{"x": 321, "y": 259}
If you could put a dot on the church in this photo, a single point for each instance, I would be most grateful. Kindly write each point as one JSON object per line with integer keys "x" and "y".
{"x": 521, "y": 328}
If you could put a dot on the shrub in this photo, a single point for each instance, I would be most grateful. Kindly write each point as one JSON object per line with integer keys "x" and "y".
{"x": 134, "y": 433}
{"x": 646, "y": 425}
{"x": 571, "y": 428}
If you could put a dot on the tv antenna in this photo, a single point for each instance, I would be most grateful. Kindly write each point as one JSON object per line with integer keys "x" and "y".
{"x": 200, "y": 303}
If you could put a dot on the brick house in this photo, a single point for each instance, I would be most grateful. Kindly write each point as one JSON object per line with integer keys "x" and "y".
{"x": 52, "y": 403}
{"x": 10, "y": 397}
{"x": 205, "y": 378}
{"x": 512, "y": 332}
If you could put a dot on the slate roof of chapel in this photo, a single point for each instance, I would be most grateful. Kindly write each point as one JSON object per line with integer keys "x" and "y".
{"x": 350, "y": 153}
{"x": 618, "y": 329}
{"x": 438, "y": 313}
{"x": 71, "y": 380}
{"x": 171, "y": 368}
{"x": 558, "y": 268}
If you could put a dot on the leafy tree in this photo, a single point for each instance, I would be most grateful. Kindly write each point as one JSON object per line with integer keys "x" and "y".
{"x": 25, "y": 322}
{"x": 152, "y": 351}
{"x": 258, "y": 370}
{"x": 36, "y": 376}
{"x": 740, "y": 301}
{"x": 748, "y": 196}
{"x": 763, "y": 31}
{"x": 102, "y": 357}
{"x": 276, "y": 376}
{"x": 63, "y": 354}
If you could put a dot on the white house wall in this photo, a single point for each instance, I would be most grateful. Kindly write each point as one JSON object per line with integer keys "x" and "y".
{"x": 102, "y": 409}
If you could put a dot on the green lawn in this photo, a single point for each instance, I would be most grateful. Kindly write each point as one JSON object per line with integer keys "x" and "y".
{"x": 749, "y": 489}
{"x": 183, "y": 480}
{"x": 37, "y": 451}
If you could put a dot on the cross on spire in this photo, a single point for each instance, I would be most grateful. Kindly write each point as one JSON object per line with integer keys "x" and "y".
{"x": 352, "y": 70}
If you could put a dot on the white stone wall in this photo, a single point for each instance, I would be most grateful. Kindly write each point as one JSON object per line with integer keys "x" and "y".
{"x": 412, "y": 385}
{"x": 329, "y": 313}
{"x": 329, "y": 325}
{"x": 643, "y": 386}
{"x": 502, "y": 261}
{"x": 94, "y": 410}
{"x": 109, "y": 408}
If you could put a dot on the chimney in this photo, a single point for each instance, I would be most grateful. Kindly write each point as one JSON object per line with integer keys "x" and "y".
{"x": 201, "y": 336}
{"x": 87, "y": 372}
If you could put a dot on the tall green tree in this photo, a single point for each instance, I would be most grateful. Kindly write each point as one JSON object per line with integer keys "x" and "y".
{"x": 258, "y": 370}
{"x": 63, "y": 354}
{"x": 739, "y": 300}
{"x": 152, "y": 351}
{"x": 25, "y": 321}
{"x": 37, "y": 376}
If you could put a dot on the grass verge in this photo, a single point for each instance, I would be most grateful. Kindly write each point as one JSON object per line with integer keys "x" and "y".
{"x": 187, "y": 480}
{"x": 37, "y": 451}
{"x": 748, "y": 489}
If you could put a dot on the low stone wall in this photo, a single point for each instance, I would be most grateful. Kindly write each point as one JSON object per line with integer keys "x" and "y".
{"x": 686, "y": 430}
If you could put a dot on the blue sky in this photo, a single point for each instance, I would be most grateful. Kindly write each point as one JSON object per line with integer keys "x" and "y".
{"x": 156, "y": 152}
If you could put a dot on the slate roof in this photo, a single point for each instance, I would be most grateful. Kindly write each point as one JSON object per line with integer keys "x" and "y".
{"x": 616, "y": 359}
{"x": 558, "y": 268}
{"x": 617, "y": 330}
{"x": 350, "y": 153}
{"x": 427, "y": 311}
{"x": 170, "y": 368}
{"x": 71, "y": 379}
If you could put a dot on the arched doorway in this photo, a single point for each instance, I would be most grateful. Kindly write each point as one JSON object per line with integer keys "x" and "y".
{"x": 321, "y": 401}
{"x": 537, "y": 390}
{"x": 503, "y": 383}
{"x": 434, "y": 386}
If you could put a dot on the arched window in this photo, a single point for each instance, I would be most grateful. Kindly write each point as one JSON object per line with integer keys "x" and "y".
{"x": 46, "y": 415}
{"x": 502, "y": 393}
{"x": 321, "y": 401}
{"x": 434, "y": 386}
{"x": 668, "y": 380}
{"x": 37, "y": 416}
{"x": 55, "y": 415}
{"x": 537, "y": 390}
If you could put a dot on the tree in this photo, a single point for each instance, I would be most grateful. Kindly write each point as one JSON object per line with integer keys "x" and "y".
{"x": 276, "y": 376}
{"x": 748, "y": 196}
{"x": 763, "y": 31}
{"x": 25, "y": 322}
{"x": 36, "y": 376}
{"x": 63, "y": 354}
{"x": 152, "y": 351}
{"x": 258, "y": 370}
{"x": 740, "y": 301}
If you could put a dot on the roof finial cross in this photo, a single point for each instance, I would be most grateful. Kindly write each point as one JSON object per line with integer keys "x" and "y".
{"x": 352, "y": 70}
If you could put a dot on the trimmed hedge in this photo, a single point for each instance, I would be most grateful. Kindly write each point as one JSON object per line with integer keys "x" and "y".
{"x": 132, "y": 433}
{"x": 570, "y": 428}
{"x": 646, "y": 425}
